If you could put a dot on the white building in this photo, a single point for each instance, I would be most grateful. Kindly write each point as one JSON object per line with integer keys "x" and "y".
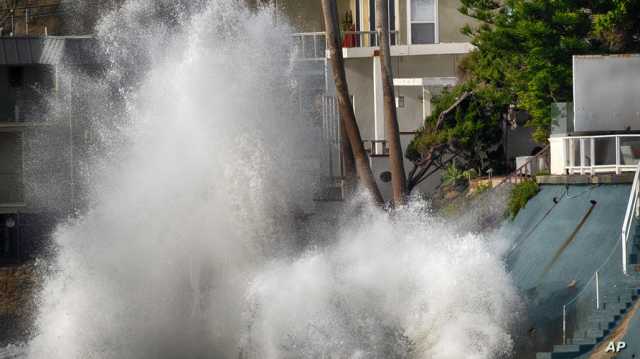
{"x": 600, "y": 131}
{"x": 427, "y": 47}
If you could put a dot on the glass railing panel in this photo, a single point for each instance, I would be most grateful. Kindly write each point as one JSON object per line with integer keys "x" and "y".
{"x": 629, "y": 150}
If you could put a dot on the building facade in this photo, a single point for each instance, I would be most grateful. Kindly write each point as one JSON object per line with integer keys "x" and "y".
{"x": 36, "y": 150}
{"x": 427, "y": 46}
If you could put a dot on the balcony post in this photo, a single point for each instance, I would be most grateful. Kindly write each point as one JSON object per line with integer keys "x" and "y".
{"x": 582, "y": 156}
{"x": 572, "y": 154}
{"x": 592, "y": 147}
{"x": 618, "y": 155}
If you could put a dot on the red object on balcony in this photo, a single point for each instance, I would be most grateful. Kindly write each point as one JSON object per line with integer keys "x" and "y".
{"x": 350, "y": 40}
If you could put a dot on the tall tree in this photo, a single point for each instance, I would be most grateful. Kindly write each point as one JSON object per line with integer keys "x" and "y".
{"x": 347, "y": 116}
{"x": 398, "y": 178}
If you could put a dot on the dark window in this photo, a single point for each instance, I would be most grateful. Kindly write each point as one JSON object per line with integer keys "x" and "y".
{"x": 385, "y": 176}
{"x": 16, "y": 76}
{"x": 423, "y": 33}
{"x": 9, "y": 250}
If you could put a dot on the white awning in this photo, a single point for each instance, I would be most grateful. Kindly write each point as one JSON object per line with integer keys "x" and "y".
{"x": 426, "y": 81}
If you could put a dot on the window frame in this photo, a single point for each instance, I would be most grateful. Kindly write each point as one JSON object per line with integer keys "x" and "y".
{"x": 435, "y": 22}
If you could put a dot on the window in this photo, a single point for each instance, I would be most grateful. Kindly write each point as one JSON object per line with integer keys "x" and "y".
{"x": 8, "y": 238}
{"x": 423, "y": 21}
{"x": 16, "y": 76}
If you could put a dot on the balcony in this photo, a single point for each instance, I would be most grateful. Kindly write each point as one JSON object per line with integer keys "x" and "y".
{"x": 358, "y": 44}
{"x": 615, "y": 153}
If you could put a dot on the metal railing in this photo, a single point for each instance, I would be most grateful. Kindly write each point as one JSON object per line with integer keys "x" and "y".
{"x": 525, "y": 171}
{"x": 601, "y": 154}
{"x": 313, "y": 45}
{"x": 367, "y": 38}
{"x": 631, "y": 213}
{"x": 597, "y": 293}
{"x": 310, "y": 45}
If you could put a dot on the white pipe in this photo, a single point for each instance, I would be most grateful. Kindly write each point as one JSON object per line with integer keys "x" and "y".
{"x": 564, "y": 324}
{"x": 597, "y": 291}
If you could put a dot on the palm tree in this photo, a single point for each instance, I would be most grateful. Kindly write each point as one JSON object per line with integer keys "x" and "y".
{"x": 398, "y": 178}
{"x": 347, "y": 116}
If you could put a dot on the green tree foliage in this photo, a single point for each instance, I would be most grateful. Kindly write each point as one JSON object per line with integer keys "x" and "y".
{"x": 469, "y": 132}
{"x": 525, "y": 46}
{"x": 523, "y": 58}
{"x": 617, "y": 24}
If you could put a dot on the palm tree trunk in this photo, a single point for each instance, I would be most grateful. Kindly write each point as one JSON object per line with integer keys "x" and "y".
{"x": 349, "y": 173}
{"x": 398, "y": 177}
{"x": 329, "y": 10}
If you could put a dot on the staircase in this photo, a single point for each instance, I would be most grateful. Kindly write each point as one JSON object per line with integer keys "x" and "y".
{"x": 600, "y": 325}
{"x": 617, "y": 299}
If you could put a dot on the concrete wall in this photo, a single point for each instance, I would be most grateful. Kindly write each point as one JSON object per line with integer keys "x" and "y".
{"x": 381, "y": 164}
{"x": 410, "y": 116}
{"x": 360, "y": 79}
{"x": 426, "y": 66}
{"x": 451, "y": 21}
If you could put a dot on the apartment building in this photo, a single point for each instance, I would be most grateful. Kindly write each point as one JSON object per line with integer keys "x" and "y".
{"x": 427, "y": 46}
{"x": 33, "y": 146}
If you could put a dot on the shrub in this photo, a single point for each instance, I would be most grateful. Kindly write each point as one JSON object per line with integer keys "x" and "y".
{"x": 483, "y": 187}
{"x": 520, "y": 195}
{"x": 453, "y": 175}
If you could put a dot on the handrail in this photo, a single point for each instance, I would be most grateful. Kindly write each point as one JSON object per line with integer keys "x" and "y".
{"x": 593, "y": 277}
{"x": 632, "y": 207}
{"x": 518, "y": 171}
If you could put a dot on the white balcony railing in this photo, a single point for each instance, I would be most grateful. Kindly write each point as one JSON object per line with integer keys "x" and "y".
{"x": 313, "y": 46}
{"x": 599, "y": 154}
{"x": 310, "y": 45}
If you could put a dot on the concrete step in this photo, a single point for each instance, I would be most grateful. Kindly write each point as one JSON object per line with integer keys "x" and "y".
{"x": 553, "y": 355}
{"x": 597, "y": 334}
{"x": 572, "y": 348}
{"x": 590, "y": 341}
